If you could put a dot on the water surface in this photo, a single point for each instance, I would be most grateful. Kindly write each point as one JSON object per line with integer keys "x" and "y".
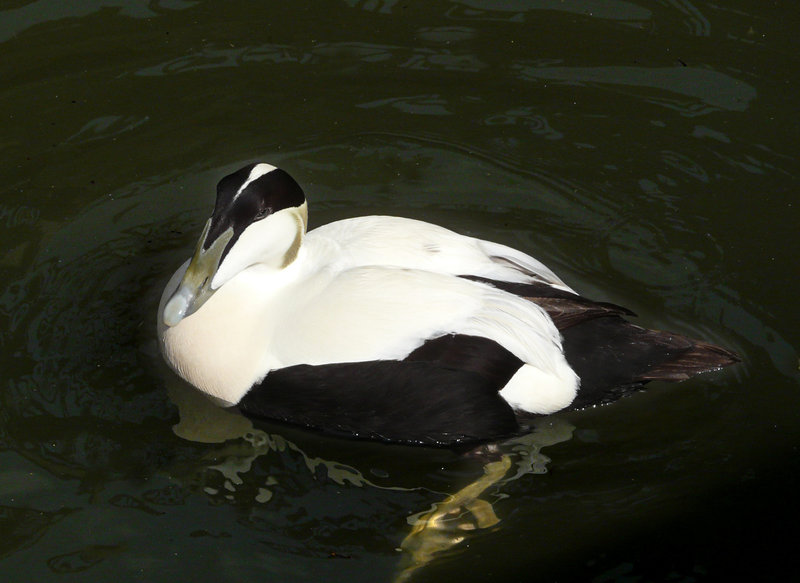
{"x": 646, "y": 151}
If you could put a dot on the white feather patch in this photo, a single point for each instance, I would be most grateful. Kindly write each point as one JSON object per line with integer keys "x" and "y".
{"x": 536, "y": 391}
{"x": 257, "y": 172}
{"x": 402, "y": 242}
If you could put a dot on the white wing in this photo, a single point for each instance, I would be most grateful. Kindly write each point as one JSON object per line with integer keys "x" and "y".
{"x": 402, "y": 242}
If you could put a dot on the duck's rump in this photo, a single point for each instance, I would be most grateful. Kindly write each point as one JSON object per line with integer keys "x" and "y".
{"x": 611, "y": 356}
{"x": 446, "y": 392}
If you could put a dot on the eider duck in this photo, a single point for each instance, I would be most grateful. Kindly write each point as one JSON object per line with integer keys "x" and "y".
{"x": 393, "y": 329}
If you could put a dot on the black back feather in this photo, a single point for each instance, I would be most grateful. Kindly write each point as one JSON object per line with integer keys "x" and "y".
{"x": 564, "y": 308}
{"x": 470, "y": 353}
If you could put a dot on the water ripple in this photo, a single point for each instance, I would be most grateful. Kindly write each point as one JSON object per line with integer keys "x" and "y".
{"x": 432, "y": 104}
{"x": 707, "y": 90}
{"x": 536, "y": 123}
{"x": 17, "y": 20}
{"x": 693, "y": 19}
{"x": 515, "y": 10}
{"x": 328, "y": 54}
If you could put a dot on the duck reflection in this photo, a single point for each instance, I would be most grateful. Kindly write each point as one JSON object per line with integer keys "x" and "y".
{"x": 450, "y": 522}
{"x": 437, "y": 531}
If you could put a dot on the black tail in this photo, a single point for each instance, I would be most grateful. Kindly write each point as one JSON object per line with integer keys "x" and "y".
{"x": 613, "y": 357}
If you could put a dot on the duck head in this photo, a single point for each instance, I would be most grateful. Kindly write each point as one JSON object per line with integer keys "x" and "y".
{"x": 259, "y": 218}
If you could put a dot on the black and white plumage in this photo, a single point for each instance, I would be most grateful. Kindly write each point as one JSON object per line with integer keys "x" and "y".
{"x": 393, "y": 329}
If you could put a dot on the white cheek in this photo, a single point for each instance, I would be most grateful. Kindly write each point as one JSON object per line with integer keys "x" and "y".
{"x": 264, "y": 241}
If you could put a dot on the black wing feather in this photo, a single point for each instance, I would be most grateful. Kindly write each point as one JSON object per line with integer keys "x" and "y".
{"x": 564, "y": 308}
{"x": 470, "y": 353}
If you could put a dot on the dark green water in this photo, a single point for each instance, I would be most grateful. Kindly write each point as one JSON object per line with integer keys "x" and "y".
{"x": 645, "y": 150}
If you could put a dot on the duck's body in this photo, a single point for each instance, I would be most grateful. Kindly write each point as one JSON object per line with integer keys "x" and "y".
{"x": 391, "y": 328}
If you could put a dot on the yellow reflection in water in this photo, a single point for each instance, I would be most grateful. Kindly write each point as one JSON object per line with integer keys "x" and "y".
{"x": 445, "y": 525}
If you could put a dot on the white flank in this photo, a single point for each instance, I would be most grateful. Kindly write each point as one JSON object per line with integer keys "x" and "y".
{"x": 537, "y": 391}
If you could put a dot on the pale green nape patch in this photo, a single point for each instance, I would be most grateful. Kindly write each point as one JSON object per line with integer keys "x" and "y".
{"x": 301, "y": 216}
